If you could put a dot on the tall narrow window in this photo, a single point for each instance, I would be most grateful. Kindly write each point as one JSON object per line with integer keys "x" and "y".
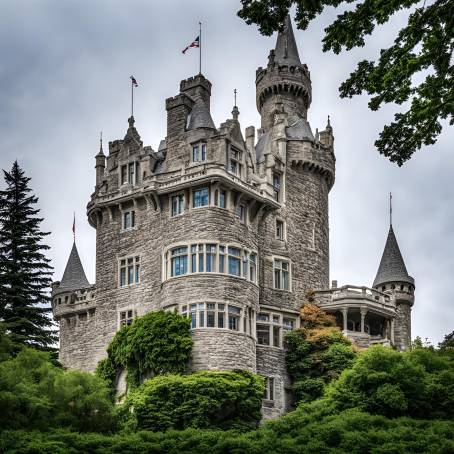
{"x": 221, "y": 259}
{"x": 177, "y": 204}
{"x": 124, "y": 174}
{"x": 211, "y": 257}
{"x": 129, "y": 219}
{"x": 235, "y": 162}
{"x": 200, "y": 197}
{"x": 132, "y": 173}
{"x": 252, "y": 267}
{"x": 269, "y": 388}
{"x": 199, "y": 152}
{"x": 234, "y": 318}
{"x": 279, "y": 230}
{"x": 281, "y": 275}
{"x": 222, "y": 199}
{"x": 277, "y": 186}
{"x": 129, "y": 271}
{"x": 234, "y": 261}
{"x": 263, "y": 334}
{"x": 240, "y": 211}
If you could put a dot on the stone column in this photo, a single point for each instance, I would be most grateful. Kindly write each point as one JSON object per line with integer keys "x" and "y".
{"x": 392, "y": 331}
{"x": 345, "y": 315}
{"x": 363, "y": 316}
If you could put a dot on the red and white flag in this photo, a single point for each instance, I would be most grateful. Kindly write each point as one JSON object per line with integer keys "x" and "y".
{"x": 134, "y": 81}
{"x": 195, "y": 44}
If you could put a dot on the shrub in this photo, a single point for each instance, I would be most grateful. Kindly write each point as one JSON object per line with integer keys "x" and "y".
{"x": 205, "y": 399}
{"x": 157, "y": 343}
{"x": 419, "y": 384}
{"x": 36, "y": 394}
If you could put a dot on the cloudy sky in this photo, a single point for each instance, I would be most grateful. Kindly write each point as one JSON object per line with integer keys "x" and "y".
{"x": 64, "y": 76}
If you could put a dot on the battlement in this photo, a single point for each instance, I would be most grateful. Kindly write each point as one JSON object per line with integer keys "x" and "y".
{"x": 67, "y": 302}
{"x": 191, "y": 83}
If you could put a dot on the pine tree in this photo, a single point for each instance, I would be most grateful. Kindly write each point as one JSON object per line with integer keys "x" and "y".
{"x": 25, "y": 273}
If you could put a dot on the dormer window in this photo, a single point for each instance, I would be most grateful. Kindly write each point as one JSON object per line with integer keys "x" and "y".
{"x": 235, "y": 162}
{"x": 130, "y": 173}
{"x": 199, "y": 152}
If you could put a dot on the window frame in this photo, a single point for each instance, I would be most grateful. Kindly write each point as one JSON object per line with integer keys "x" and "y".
{"x": 181, "y": 198}
{"x": 273, "y": 323}
{"x": 193, "y": 193}
{"x": 201, "y": 148}
{"x": 282, "y": 236}
{"x": 124, "y": 264}
{"x": 132, "y": 214}
{"x": 127, "y": 318}
{"x": 235, "y": 158}
{"x": 281, "y": 286}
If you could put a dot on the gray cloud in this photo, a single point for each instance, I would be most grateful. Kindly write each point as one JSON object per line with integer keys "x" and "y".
{"x": 64, "y": 77}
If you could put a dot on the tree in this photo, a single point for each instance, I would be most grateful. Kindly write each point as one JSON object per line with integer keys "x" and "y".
{"x": 447, "y": 343}
{"x": 25, "y": 273}
{"x": 316, "y": 354}
{"x": 422, "y": 50}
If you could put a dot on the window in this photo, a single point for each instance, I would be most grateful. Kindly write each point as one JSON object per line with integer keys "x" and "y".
{"x": 200, "y": 197}
{"x": 177, "y": 204}
{"x": 129, "y": 271}
{"x": 126, "y": 317}
{"x": 281, "y": 275}
{"x": 235, "y": 162}
{"x": 129, "y": 219}
{"x": 179, "y": 261}
{"x": 199, "y": 152}
{"x": 240, "y": 211}
{"x": 210, "y": 258}
{"x": 270, "y": 328}
{"x": 234, "y": 261}
{"x": 220, "y": 197}
{"x": 130, "y": 173}
{"x": 212, "y": 315}
{"x": 279, "y": 230}
{"x": 269, "y": 388}
{"x": 277, "y": 186}
{"x": 234, "y": 318}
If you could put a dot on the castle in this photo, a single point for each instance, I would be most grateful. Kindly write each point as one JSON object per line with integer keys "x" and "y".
{"x": 229, "y": 230}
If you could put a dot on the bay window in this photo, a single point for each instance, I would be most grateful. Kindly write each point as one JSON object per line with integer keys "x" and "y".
{"x": 200, "y": 197}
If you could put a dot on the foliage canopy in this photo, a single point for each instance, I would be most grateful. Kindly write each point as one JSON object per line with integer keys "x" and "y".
{"x": 421, "y": 50}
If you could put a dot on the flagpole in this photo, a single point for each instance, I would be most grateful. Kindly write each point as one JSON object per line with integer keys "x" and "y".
{"x": 132, "y": 98}
{"x": 200, "y": 47}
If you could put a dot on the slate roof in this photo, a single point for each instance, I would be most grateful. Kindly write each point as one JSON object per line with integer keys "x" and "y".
{"x": 301, "y": 129}
{"x": 74, "y": 276}
{"x": 200, "y": 116}
{"x": 286, "y": 51}
{"x": 392, "y": 266}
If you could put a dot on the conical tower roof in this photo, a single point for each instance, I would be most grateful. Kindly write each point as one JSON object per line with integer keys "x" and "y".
{"x": 392, "y": 266}
{"x": 286, "y": 51}
{"x": 200, "y": 116}
{"x": 74, "y": 276}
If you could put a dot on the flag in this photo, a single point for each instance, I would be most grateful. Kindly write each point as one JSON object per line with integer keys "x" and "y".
{"x": 134, "y": 81}
{"x": 195, "y": 43}
{"x": 74, "y": 224}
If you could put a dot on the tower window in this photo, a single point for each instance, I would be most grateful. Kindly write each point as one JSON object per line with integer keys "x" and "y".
{"x": 177, "y": 203}
{"x": 199, "y": 152}
{"x": 129, "y": 219}
{"x": 279, "y": 230}
{"x": 200, "y": 197}
{"x": 269, "y": 388}
{"x": 220, "y": 197}
{"x": 281, "y": 274}
{"x": 277, "y": 187}
{"x": 130, "y": 173}
{"x": 129, "y": 271}
{"x": 240, "y": 211}
{"x": 234, "y": 318}
{"x": 179, "y": 261}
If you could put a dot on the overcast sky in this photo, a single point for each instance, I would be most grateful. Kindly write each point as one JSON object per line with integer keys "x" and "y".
{"x": 64, "y": 76}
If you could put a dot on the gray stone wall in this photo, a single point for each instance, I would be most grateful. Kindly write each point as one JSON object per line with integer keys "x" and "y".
{"x": 402, "y": 328}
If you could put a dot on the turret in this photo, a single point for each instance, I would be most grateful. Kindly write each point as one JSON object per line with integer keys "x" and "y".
{"x": 392, "y": 278}
{"x": 285, "y": 80}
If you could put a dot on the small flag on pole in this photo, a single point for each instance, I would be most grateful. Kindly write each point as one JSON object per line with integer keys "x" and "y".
{"x": 194, "y": 44}
{"x": 74, "y": 225}
{"x": 134, "y": 81}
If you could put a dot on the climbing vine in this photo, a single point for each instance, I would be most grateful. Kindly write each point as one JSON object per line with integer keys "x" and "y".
{"x": 155, "y": 344}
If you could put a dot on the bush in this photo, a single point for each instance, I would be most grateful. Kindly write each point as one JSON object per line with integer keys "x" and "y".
{"x": 419, "y": 384}
{"x": 157, "y": 343}
{"x": 316, "y": 353}
{"x": 206, "y": 399}
{"x": 37, "y": 395}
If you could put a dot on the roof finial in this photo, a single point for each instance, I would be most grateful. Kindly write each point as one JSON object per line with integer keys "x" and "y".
{"x": 234, "y": 96}
{"x": 74, "y": 227}
{"x": 100, "y": 142}
{"x": 390, "y": 209}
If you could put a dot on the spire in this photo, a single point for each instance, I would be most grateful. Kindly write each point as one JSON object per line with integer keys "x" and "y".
{"x": 101, "y": 151}
{"x": 235, "y": 111}
{"x": 286, "y": 51}
{"x": 74, "y": 276}
{"x": 392, "y": 266}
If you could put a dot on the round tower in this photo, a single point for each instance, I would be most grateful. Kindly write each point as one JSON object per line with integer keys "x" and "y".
{"x": 392, "y": 278}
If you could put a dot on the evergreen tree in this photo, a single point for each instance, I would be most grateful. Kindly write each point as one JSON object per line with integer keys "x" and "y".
{"x": 25, "y": 273}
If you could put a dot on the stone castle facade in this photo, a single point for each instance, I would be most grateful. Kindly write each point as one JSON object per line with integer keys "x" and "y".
{"x": 229, "y": 230}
